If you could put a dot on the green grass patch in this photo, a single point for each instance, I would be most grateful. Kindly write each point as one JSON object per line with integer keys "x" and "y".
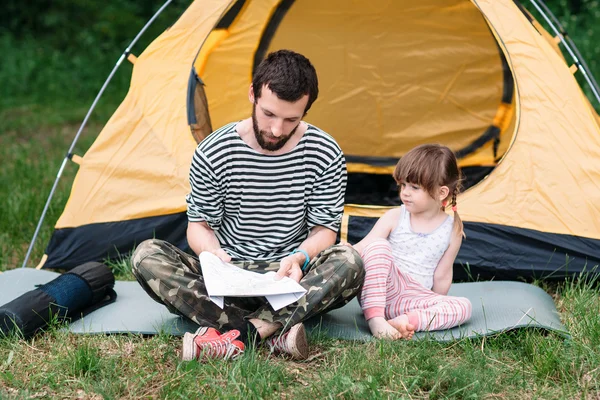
{"x": 512, "y": 365}
{"x": 43, "y": 86}
{"x": 31, "y": 161}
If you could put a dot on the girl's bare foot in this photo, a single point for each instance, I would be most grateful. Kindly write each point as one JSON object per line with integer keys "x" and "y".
{"x": 381, "y": 329}
{"x": 406, "y": 329}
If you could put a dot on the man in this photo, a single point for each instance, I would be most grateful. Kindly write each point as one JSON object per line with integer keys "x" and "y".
{"x": 269, "y": 189}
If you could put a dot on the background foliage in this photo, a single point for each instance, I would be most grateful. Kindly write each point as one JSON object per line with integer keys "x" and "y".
{"x": 57, "y": 53}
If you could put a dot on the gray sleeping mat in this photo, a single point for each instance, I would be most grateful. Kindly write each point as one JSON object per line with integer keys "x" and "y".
{"x": 497, "y": 307}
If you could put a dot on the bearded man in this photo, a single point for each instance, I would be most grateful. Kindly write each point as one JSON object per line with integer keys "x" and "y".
{"x": 267, "y": 194}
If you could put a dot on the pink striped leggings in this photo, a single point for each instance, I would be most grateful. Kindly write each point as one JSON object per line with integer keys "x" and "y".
{"x": 389, "y": 293}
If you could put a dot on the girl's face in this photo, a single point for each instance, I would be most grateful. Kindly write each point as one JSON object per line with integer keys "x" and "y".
{"x": 418, "y": 200}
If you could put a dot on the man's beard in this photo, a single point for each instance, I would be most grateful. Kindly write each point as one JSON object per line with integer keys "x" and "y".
{"x": 262, "y": 136}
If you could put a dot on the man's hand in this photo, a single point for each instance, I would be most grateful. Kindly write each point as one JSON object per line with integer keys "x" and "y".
{"x": 290, "y": 266}
{"x": 222, "y": 254}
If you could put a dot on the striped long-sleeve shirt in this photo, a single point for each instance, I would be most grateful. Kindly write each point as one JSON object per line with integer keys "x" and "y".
{"x": 262, "y": 206}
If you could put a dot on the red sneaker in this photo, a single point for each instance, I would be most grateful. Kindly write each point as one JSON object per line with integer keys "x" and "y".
{"x": 208, "y": 343}
{"x": 292, "y": 342}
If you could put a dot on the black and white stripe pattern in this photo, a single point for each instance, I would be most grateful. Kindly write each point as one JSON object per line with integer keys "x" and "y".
{"x": 262, "y": 206}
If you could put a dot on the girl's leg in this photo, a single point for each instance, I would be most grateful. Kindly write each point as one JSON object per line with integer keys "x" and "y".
{"x": 443, "y": 312}
{"x": 426, "y": 310}
{"x": 378, "y": 262}
{"x": 401, "y": 291}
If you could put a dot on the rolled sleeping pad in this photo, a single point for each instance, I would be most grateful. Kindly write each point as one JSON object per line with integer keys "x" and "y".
{"x": 72, "y": 295}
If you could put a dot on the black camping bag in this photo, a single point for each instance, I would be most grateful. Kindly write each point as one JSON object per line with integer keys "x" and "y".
{"x": 70, "y": 296}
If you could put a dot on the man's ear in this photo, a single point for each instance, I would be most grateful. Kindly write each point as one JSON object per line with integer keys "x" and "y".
{"x": 251, "y": 94}
{"x": 444, "y": 192}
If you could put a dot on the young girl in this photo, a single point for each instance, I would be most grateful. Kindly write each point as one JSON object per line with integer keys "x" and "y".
{"x": 409, "y": 253}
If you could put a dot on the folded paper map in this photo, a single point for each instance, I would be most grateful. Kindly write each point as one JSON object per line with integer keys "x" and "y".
{"x": 223, "y": 279}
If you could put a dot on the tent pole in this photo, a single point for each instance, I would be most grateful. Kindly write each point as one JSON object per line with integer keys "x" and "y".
{"x": 573, "y": 51}
{"x": 85, "y": 120}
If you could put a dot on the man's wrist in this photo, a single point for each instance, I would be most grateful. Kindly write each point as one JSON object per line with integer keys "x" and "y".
{"x": 299, "y": 258}
{"x": 305, "y": 257}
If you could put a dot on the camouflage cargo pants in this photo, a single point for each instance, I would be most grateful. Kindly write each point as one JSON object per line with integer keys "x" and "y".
{"x": 174, "y": 278}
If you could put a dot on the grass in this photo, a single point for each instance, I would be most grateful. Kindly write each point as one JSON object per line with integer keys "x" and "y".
{"x": 44, "y": 96}
{"x": 513, "y": 365}
{"x": 31, "y": 160}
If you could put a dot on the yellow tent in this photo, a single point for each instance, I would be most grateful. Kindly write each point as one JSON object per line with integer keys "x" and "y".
{"x": 480, "y": 76}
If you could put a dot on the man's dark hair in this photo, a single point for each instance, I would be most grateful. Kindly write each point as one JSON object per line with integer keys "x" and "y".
{"x": 287, "y": 74}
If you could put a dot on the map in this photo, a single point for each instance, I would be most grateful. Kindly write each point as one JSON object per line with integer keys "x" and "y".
{"x": 224, "y": 279}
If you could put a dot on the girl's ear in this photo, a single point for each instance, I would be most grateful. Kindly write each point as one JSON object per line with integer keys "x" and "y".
{"x": 444, "y": 192}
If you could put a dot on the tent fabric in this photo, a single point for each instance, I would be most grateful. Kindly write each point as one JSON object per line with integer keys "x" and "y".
{"x": 139, "y": 164}
{"x": 113, "y": 240}
{"x": 479, "y": 74}
{"x": 549, "y": 180}
{"x": 371, "y": 74}
{"x": 494, "y": 251}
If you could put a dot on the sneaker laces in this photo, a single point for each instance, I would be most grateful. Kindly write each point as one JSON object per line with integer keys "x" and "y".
{"x": 279, "y": 342}
{"x": 221, "y": 347}
{"x": 218, "y": 349}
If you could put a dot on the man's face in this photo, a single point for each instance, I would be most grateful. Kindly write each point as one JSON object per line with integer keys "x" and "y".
{"x": 274, "y": 120}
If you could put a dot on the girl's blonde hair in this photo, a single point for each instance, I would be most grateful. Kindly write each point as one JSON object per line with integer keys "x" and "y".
{"x": 432, "y": 166}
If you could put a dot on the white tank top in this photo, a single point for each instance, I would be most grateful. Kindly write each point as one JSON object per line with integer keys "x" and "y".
{"x": 418, "y": 254}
